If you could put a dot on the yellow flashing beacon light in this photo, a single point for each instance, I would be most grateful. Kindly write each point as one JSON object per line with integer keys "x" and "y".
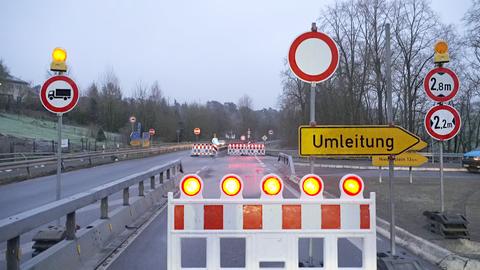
{"x": 59, "y": 56}
{"x": 441, "y": 52}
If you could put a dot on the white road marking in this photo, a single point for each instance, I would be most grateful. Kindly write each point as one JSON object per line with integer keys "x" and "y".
{"x": 201, "y": 169}
{"x": 9, "y": 170}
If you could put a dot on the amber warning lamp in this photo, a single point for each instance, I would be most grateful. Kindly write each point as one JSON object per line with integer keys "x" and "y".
{"x": 59, "y": 56}
{"x": 441, "y": 52}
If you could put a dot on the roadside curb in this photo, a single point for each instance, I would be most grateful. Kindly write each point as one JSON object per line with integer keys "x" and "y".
{"x": 358, "y": 167}
{"x": 435, "y": 254}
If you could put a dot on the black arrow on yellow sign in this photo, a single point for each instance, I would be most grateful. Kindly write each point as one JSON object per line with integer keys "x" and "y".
{"x": 362, "y": 140}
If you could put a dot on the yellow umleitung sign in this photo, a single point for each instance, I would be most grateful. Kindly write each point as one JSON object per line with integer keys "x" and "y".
{"x": 419, "y": 146}
{"x": 408, "y": 159}
{"x": 354, "y": 140}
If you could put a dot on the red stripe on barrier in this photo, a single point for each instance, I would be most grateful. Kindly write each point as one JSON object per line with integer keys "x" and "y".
{"x": 291, "y": 217}
{"x": 213, "y": 217}
{"x": 179, "y": 221}
{"x": 364, "y": 216}
{"x": 330, "y": 216}
{"x": 252, "y": 217}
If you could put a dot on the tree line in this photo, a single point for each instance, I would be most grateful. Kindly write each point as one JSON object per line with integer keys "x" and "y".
{"x": 355, "y": 94}
{"x": 104, "y": 107}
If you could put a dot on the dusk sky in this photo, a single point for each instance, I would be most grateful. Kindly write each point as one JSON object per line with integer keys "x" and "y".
{"x": 196, "y": 50}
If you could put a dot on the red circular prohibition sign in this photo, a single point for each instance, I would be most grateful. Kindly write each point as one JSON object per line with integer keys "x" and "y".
{"x": 456, "y": 117}
{"x": 50, "y": 107}
{"x": 426, "y": 86}
{"x": 317, "y": 77}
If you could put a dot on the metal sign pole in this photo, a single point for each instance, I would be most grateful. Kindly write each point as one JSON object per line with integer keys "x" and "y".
{"x": 312, "y": 158}
{"x": 59, "y": 157}
{"x": 312, "y": 119}
{"x": 390, "y": 122}
{"x": 442, "y": 196}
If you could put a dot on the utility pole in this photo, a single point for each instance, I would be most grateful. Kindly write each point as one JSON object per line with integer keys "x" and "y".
{"x": 391, "y": 176}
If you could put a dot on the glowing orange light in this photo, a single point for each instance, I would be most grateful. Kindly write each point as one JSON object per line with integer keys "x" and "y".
{"x": 312, "y": 186}
{"x": 191, "y": 186}
{"x": 352, "y": 186}
{"x": 59, "y": 54}
{"x": 271, "y": 186}
{"x": 231, "y": 185}
{"x": 441, "y": 46}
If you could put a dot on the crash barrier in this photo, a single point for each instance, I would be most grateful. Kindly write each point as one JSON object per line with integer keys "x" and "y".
{"x": 287, "y": 159}
{"x": 271, "y": 226}
{"x": 35, "y": 167}
{"x": 82, "y": 246}
{"x": 204, "y": 149}
{"x": 246, "y": 149}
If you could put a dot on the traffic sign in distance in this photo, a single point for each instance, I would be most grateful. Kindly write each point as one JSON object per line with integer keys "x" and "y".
{"x": 151, "y": 131}
{"x": 354, "y": 140}
{"x": 442, "y": 122}
{"x": 59, "y": 94}
{"x": 133, "y": 119}
{"x": 313, "y": 57}
{"x": 408, "y": 159}
{"x": 264, "y": 138}
{"x": 196, "y": 131}
{"x": 270, "y": 132}
{"x": 441, "y": 84}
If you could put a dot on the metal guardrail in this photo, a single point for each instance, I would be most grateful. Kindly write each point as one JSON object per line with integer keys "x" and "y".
{"x": 288, "y": 160}
{"x": 10, "y": 157}
{"x": 27, "y": 164}
{"x": 13, "y": 227}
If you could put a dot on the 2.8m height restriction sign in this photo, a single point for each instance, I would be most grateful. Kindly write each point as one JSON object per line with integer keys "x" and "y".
{"x": 441, "y": 84}
{"x": 442, "y": 122}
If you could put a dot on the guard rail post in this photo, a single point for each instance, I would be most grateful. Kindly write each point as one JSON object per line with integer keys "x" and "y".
{"x": 70, "y": 226}
{"x": 13, "y": 253}
{"x": 141, "y": 189}
{"x": 104, "y": 208}
{"x": 168, "y": 174}
{"x": 161, "y": 178}
{"x": 126, "y": 196}
{"x": 152, "y": 182}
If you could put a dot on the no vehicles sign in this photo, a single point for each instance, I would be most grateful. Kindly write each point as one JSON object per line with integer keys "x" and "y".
{"x": 313, "y": 57}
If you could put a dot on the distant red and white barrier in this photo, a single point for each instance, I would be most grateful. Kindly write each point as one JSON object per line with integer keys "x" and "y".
{"x": 246, "y": 149}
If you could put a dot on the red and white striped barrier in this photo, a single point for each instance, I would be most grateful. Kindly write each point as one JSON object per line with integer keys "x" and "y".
{"x": 204, "y": 149}
{"x": 272, "y": 225}
{"x": 246, "y": 149}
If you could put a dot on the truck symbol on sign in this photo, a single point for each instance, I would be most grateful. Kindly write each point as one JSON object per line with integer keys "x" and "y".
{"x": 60, "y": 93}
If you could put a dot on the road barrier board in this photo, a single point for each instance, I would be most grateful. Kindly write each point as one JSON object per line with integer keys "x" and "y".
{"x": 362, "y": 140}
{"x": 408, "y": 159}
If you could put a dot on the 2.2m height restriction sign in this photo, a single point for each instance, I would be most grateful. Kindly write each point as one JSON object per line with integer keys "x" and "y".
{"x": 59, "y": 94}
{"x": 442, "y": 122}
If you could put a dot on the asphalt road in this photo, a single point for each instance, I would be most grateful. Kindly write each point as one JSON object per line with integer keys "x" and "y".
{"x": 148, "y": 249}
{"x": 18, "y": 197}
